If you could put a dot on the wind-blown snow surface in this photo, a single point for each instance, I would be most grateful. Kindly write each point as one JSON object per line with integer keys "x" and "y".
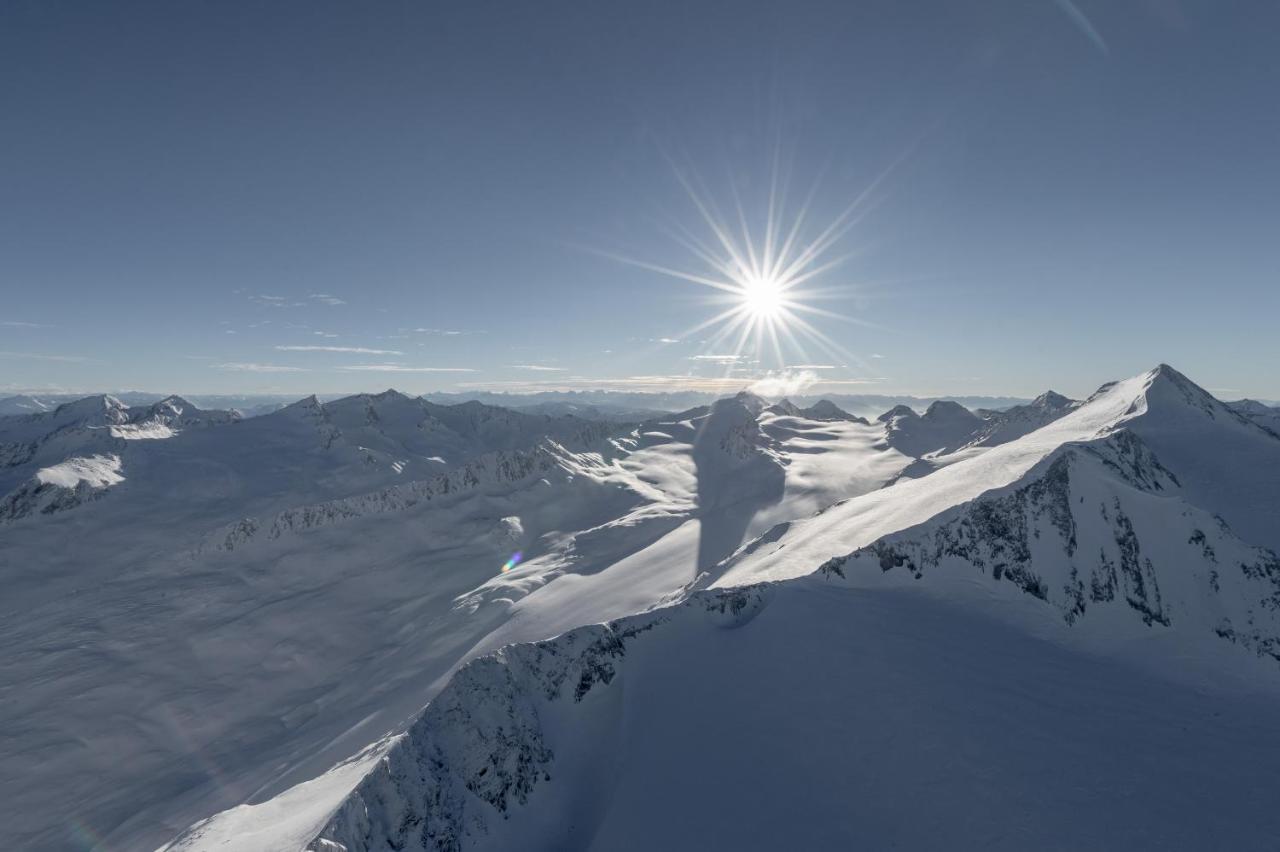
{"x": 810, "y": 715}
{"x": 1067, "y": 640}
{"x": 260, "y": 599}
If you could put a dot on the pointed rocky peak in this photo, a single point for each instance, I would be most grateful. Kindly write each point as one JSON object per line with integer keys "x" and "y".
{"x": 1052, "y": 401}
{"x": 1168, "y": 393}
{"x": 1252, "y": 406}
{"x": 785, "y": 408}
{"x": 825, "y": 409}
{"x": 945, "y": 411}
{"x": 749, "y": 401}
{"x": 897, "y": 412}
{"x": 172, "y": 405}
{"x": 307, "y": 408}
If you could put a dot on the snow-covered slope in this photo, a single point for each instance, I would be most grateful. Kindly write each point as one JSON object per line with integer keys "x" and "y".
{"x": 62, "y": 486}
{"x": 1108, "y": 582}
{"x": 22, "y": 404}
{"x": 806, "y": 715}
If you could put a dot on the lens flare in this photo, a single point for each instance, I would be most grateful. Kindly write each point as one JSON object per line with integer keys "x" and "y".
{"x": 512, "y": 562}
{"x": 765, "y": 275}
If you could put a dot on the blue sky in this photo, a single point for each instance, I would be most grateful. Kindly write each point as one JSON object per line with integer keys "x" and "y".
{"x": 323, "y": 197}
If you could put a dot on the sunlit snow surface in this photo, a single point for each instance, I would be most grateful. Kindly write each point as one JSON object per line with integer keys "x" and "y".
{"x": 96, "y": 471}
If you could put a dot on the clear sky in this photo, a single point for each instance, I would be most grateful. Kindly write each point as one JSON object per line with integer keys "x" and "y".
{"x": 193, "y": 193}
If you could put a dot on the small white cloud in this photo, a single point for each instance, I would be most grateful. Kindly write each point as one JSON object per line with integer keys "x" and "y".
{"x": 350, "y": 350}
{"x": 401, "y": 368}
{"x": 718, "y": 359}
{"x": 812, "y": 367}
{"x": 326, "y": 299}
{"x": 876, "y": 355}
{"x": 664, "y": 340}
{"x": 537, "y": 368}
{"x": 784, "y": 383}
{"x": 241, "y": 367}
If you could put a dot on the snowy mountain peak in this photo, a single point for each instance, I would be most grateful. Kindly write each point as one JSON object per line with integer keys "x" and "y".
{"x": 896, "y": 412}
{"x": 747, "y": 400}
{"x": 1166, "y": 387}
{"x": 944, "y": 410}
{"x": 101, "y": 408}
{"x": 826, "y": 410}
{"x": 785, "y": 408}
{"x": 1052, "y": 401}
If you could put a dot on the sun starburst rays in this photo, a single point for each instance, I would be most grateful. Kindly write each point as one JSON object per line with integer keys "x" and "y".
{"x": 765, "y": 277}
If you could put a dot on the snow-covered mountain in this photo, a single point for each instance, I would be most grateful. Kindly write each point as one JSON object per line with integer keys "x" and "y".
{"x": 944, "y": 428}
{"x": 1094, "y": 577}
{"x": 1260, "y": 413}
{"x": 22, "y": 404}
{"x": 282, "y": 595}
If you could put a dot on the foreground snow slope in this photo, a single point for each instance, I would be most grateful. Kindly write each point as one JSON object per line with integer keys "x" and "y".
{"x": 1131, "y": 531}
{"x": 811, "y": 715}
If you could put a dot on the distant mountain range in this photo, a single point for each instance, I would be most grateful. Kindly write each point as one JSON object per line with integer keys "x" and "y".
{"x": 594, "y": 405}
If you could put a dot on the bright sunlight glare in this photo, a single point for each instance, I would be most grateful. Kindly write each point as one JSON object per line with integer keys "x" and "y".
{"x": 763, "y": 297}
{"x": 765, "y": 277}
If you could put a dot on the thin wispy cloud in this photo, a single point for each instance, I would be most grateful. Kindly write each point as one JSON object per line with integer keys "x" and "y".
{"x": 350, "y": 350}
{"x": 19, "y": 324}
{"x": 242, "y": 367}
{"x": 401, "y": 368}
{"x": 444, "y": 332}
{"x": 537, "y": 368}
{"x": 719, "y": 359}
{"x": 40, "y": 356}
{"x": 326, "y": 299}
{"x": 664, "y": 340}
{"x": 812, "y": 367}
{"x": 1082, "y": 23}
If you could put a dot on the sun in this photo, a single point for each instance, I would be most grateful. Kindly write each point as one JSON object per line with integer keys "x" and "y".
{"x": 762, "y": 268}
{"x": 764, "y": 298}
